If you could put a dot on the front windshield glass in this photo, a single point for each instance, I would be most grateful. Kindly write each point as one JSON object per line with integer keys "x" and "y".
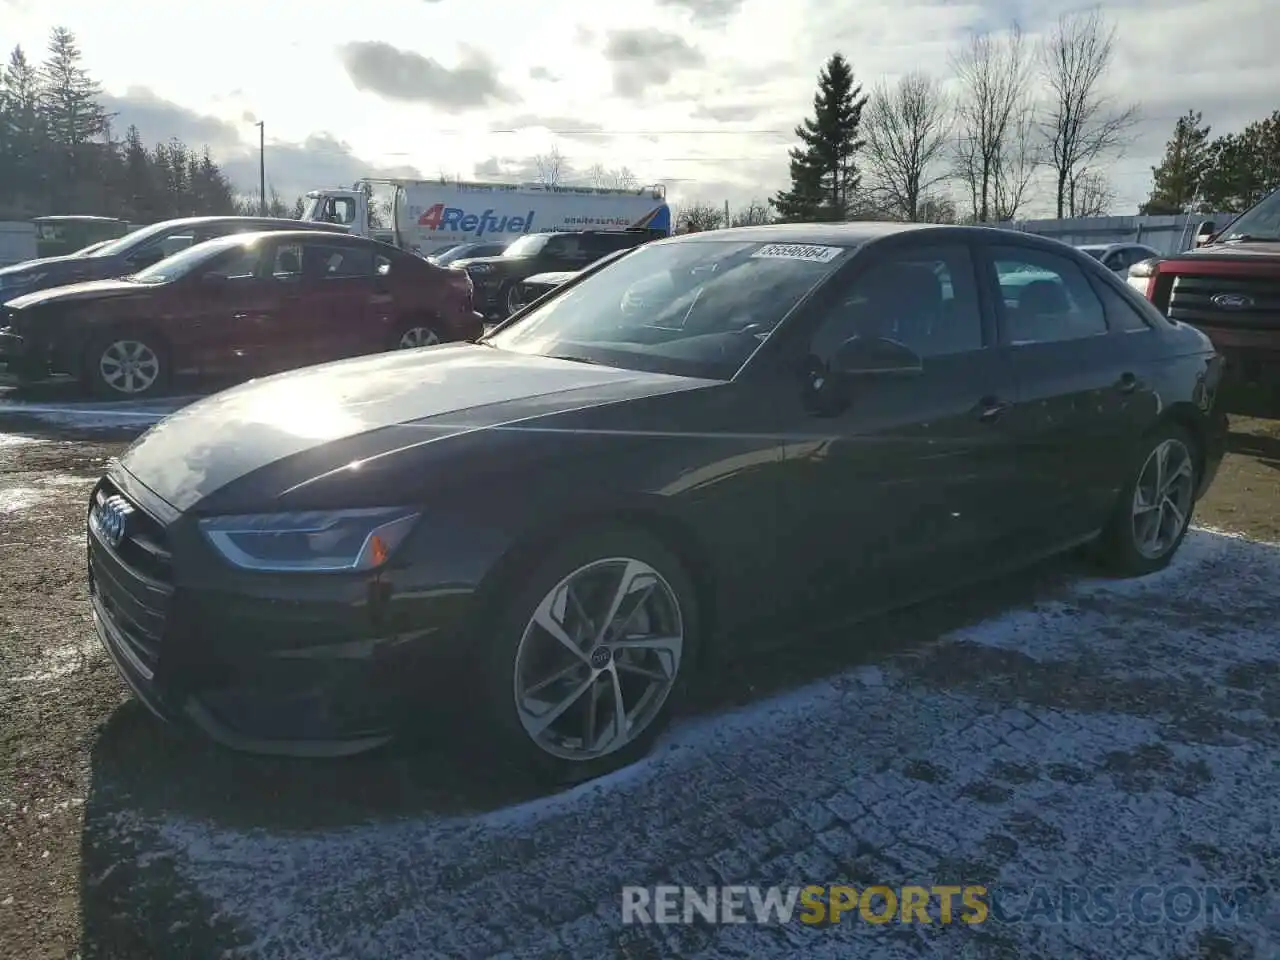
{"x": 694, "y": 308}
{"x": 85, "y": 251}
{"x": 186, "y": 261}
{"x": 1261, "y": 222}
{"x": 527, "y": 246}
{"x": 126, "y": 244}
{"x": 457, "y": 253}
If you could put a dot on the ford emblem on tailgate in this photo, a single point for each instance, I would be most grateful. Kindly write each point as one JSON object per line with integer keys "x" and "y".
{"x": 1232, "y": 301}
{"x": 112, "y": 517}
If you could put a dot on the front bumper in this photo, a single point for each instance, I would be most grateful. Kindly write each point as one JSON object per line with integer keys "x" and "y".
{"x": 297, "y": 666}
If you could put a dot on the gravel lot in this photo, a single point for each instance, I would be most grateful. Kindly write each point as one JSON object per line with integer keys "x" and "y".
{"x": 1052, "y": 729}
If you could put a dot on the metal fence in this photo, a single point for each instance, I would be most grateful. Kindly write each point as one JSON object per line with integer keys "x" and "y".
{"x": 1168, "y": 234}
{"x": 17, "y": 241}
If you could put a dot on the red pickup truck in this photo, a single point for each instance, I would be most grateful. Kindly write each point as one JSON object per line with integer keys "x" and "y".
{"x": 1229, "y": 287}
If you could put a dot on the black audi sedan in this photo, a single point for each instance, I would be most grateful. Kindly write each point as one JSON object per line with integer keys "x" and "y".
{"x": 715, "y": 440}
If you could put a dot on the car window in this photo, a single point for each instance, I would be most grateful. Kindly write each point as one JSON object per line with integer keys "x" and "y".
{"x": 598, "y": 244}
{"x": 1047, "y": 298}
{"x": 564, "y": 248}
{"x": 242, "y": 264}
{"x": 925, "y": 298}
{"x": 287, "y": 264}
{"x": 334, "y": 262}
{"x": 1121, "y": 315}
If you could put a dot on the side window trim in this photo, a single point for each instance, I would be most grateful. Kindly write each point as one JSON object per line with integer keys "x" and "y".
{"x": 1121, "y": 292}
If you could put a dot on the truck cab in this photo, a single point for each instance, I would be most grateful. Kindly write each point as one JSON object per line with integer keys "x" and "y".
{"x": 346, "y": 208}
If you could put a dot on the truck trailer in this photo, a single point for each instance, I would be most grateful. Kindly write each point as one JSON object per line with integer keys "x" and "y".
{"x": 428, "y": 216}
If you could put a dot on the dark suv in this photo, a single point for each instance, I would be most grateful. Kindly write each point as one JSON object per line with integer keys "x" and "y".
{"x": 497, "y": 279}
{"x": 135, "y": 251}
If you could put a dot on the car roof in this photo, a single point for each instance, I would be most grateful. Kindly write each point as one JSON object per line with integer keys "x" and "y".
{"x": 302, "y": 234}
{"x": 858, "y": 233}
{"x": 317, "y": 225}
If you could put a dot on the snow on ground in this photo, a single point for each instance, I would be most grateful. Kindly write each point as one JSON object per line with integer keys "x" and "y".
{"x": 1123, "y": 734}
{"x": 96, "y": 415}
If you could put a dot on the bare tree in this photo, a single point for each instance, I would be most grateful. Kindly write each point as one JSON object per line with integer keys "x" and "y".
{"x": 1081, "y": 124}
{"x": 552, "y": 166}
{"x": 935, "y": 208}
{"x": 1016, "y": 163}
{"x": 906, "y": 136}
{"x": 1092, "y": 194}
{"x": 699, "y": 216}
{"x": 602, "y": 177}
{"x": 753, "y": 214}
{"x": 994, "y": 75}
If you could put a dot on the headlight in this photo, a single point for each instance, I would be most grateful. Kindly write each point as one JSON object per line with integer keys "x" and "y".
{"x": 1144, "y": 269}
{"x": 329, "y": 541}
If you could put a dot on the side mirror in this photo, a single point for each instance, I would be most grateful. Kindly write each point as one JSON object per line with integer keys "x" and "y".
{"x": 1205, "y": 232}
{"x": 876, "y": 357}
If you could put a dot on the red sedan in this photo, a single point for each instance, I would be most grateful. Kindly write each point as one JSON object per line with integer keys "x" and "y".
{"x": 240, "y": 306}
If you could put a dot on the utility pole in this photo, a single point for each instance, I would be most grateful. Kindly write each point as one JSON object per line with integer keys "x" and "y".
{"x": 726, "y": 215}
{"x": 262, "y": 168}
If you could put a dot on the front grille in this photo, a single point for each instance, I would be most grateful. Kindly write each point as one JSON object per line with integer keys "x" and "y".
{"x": 132, "y": 583}
{"x": 1191, "y": 301}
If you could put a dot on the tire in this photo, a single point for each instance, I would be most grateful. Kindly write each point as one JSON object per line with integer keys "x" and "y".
{"x": 115, "y": 350}
{"x": 516, "y": 655}
{"x": 417, "y": 333}
{"x": 508, "y": 298}
{"x": 1121, "y": 548}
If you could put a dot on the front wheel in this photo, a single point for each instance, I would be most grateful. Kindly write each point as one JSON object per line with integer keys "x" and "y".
{"x": 126, "y": 365}
{"x": 589, "y": 656}
{"x": 514, "y": 298}
{"x": 1153, "y": 514}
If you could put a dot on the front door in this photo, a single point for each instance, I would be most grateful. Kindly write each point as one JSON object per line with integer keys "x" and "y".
{"x": 1073, "y": 386}
{"x": 898, "y": 484}
{"x": 230, "y": 311}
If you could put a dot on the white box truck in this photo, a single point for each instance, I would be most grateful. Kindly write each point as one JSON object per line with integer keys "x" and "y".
{"x": 429, "y": 216}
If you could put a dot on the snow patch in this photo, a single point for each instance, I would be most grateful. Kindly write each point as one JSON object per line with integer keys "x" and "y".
{"x": 17, "y": 499}
{"x": 17, "y": 440}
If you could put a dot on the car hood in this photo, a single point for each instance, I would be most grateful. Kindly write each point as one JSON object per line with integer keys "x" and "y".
{"x": 49, "y": 270}
{"x": 299, "y": 426}
{"x": 1232, "y": 251}
{"x": 89, "y": 290}
{"x": 486, "y": 261}
{"x": 553, "y": 279}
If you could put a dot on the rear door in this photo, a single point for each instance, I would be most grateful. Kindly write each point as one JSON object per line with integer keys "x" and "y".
{"x": 341, "y": 302}
{"x": 1073, "y": 386}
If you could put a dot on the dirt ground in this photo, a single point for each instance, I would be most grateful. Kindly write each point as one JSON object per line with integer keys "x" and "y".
{"x": 67, "y": 724}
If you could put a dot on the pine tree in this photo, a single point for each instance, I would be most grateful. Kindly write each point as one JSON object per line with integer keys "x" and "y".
{"x": 73, "y": 119}
{"x": 1176, "y": 181}
{"x": 1243, "y": 167}
{"x": 824, "y": 172}
{"x": 23, "y": 180}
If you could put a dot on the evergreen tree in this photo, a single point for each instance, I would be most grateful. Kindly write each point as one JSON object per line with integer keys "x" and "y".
{"x": 824, "y": 172}
{"x": 73, "y": 119}
{"x": 1176, "y": 181}
{"x": 138, "y": 184}
{"x": 1243, "y": 168}
{"x": 22, "y": 173}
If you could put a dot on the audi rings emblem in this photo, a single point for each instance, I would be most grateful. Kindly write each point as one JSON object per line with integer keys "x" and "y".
{"x": 112, "y": 518}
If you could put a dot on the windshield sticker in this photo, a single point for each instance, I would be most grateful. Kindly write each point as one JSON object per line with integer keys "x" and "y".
{"x": 798, "y": 251}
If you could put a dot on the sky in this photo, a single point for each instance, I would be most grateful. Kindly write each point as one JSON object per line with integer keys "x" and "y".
{"x": 702, "y": 95}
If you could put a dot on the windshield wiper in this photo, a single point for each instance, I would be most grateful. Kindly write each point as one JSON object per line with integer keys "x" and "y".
{"x": 1248, "y": 238}
{"x": 597, "y": 363}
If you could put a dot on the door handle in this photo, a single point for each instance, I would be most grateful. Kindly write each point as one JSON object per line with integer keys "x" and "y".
{"x": 991, "y": 408}
{"x": 1127, "y": 383}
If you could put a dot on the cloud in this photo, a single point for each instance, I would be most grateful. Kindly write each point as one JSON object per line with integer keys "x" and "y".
{"x": 647, "y": 58}
{"x": 375, "y": 66}
{"x": 543, "y": 74}
{"x": 728, "y": 112}
{"x": 572, "y": 128}
{"x": 158, "y": 119}
{"x": 322, "y": 160}
{"x": 706, "y": 12}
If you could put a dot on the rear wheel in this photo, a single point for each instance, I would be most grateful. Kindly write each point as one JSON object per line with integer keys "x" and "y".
{"x": 589, "y": 656}
{"x": 417, "y": 334}
{"x": 126, "y": 365}
{"x": 1154, "y": 512}
{"x": 513, "y": 298}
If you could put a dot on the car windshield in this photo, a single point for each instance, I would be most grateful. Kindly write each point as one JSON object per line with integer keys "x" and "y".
{"x": 1261, "y": 222}
{"x": 527, "y": 246}
{"x": 186, "y": 261}
{"x": 125, "y": 244}
{"x": 696, "y": 308}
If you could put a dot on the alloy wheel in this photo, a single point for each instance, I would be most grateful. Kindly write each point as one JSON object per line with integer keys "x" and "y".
{"x": 515, "y": 301}
{"x": 598, "y": 659}
{"x": 129, "y": 367}
{"x": 418, "y": 337}
{"x": 1162, "y": 499}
